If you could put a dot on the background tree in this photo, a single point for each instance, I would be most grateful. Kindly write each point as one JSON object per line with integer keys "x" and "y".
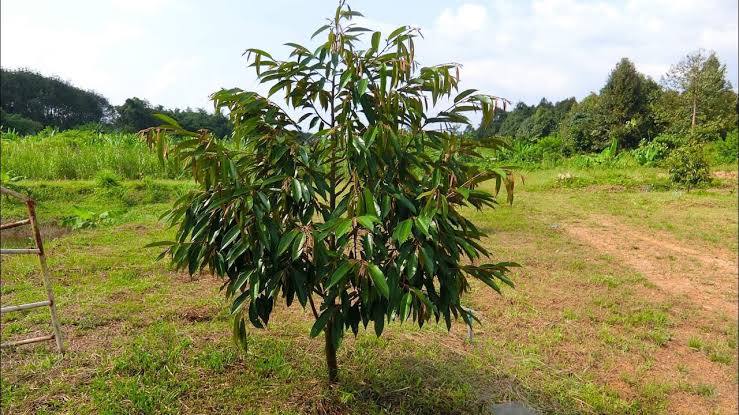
{"x": 136, "y": 114}
{"x": 353, "y": 202}
{"x": 514, "y": 119}
{"x": 49, "y": 101}
{"x": 194, "y": 120}
{"x": 625, "y": 104}
{"x": 699, "y": 98}
{"x": 541, "y": 123}
{"x": 561, "y": 109}
{"x": 584, "y": 127}
{"x": 529, "y": 123}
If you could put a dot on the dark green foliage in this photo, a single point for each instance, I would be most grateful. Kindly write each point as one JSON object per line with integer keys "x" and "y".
{"x": 561, "y": 108}
{"x": 541, "y": 123}
{"x": 194, "y": 120}
{"x": 136, "y": 114}
{"x": 687, "y": 166}
{"x": 584, "y": 127}
{"x": 512, "y": 122}
{"x": 18, "y": 123}
{"x": 726, "y": 150}
{"x": 625, "y": 104}
{"x": 355, "y": 202}
{"x": 529, "y": 123}
{"x": 50, "y": 101}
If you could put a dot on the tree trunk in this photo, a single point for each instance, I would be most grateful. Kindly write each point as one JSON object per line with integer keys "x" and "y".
{"x": 692, "y": 121}
{"x": 333, "y": 369}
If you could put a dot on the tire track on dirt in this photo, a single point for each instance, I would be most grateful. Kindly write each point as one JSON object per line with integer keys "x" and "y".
{"x": 707, "y": 277}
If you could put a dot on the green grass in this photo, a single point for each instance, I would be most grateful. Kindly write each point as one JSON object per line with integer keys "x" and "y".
{"x": 78, "y": 154}
{"x": 582, "y": 332}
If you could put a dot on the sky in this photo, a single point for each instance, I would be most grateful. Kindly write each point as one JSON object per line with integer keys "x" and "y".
{"x": 177, "y": 52}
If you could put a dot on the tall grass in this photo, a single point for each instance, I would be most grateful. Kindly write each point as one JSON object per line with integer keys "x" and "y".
{"x": 80, "y": 154}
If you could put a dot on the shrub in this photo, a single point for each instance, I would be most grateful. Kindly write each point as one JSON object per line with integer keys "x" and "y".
{"x": 553, "y": 147}
{"x": 107, "y": 178}
{"x": 84, "y": 218}
{"x": 19, "y": 124}
{"x": 726, "y": 151}
{"x": 650, "y": 153}
{"x": 687, "y": 166}
{"x": 671, "y": 141}
{"x": 549, "y": 149}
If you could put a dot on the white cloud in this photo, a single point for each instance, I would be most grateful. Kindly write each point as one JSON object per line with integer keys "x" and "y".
{"x": 139, "y": 7}
{"x": 468, "y": 18}
{"x": 176, "y": 53}
{"x": 560, "y": 48}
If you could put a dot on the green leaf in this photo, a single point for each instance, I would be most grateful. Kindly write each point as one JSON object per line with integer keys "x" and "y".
{"x": 339, "y": 274}
{"x": 239, "y": 332}
{"x": 423, "y": 297}
{"x": 297, "y": 247}
{"x": 295, "y": 187}
{"x": 405, "y": 202}
{"x": 396, "y": 32}
{"x": 236, "y": 286}
{"x": 405, "y": 304}
{"x": 464, "y": 94}
{"x": 346, "y": 76}
{"x": 368, "y": 221}
{"x": 239, "y": 301}
{"x": 319, "y": 30}
{"x": 321, "y": 322}
{"x": 379, "y": 319}
{"x": 362, "y": 88}
{"x": 286, "y": 240}
{"x": 422, "y": 223}
{"x": 411, "y": 265}
{"x": 427, "y": 258}
{"x": 231, "y": 236}
{"x": 343, "y": 227}
{"x": 379, "y": 279}
{"x": 376, "y": 40}
{"x": 167, "y": 119}
{"x": 402, "y": 231}
{"x": 369, "y": 202}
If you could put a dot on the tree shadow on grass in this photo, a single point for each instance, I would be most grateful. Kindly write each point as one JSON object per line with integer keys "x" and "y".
{"x": 408, "y": 384}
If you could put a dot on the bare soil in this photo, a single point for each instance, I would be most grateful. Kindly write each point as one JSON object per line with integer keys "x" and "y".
{"x": 707, "y": 276}
{"x": 704, "y": 277}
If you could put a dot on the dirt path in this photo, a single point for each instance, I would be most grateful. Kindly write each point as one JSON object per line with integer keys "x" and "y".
{"x": 707, "y": 276}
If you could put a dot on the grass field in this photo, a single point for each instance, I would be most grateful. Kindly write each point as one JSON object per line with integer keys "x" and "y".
{"x": 626, "y": 303}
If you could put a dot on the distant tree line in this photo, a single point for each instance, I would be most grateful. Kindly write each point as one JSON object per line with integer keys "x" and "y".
{"x": 136, "y": 114}
{"x": 693, "y": 99}
{"x": 30, "y": 101}
{"x": 34, "y": 99}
